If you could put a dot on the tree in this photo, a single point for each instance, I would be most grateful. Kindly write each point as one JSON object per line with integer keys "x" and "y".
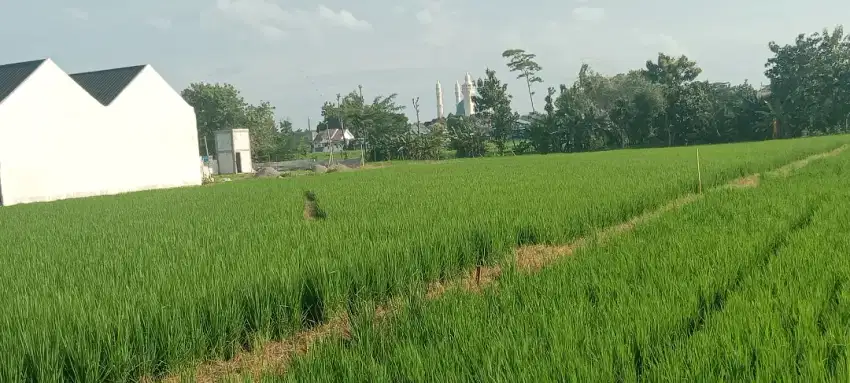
{"x": 466, "y": 135}
{"x": 542, "y": 127}
{"x": 286, "y": 141}
{"x": 221, "y": 107}
{"x": 810, "y": 84}
{"x": 260, "y": 122}
{"x": 493, "y": 104}
{"x": 381, "y": 125}
{"x": 661, "y": 104}
{"x": 217, "y": 107}
{"x": 523, "y": 62}
{"x": 635, "y": 109}
{"x": 430, "y": 144}
{"x": 672, "y": 73}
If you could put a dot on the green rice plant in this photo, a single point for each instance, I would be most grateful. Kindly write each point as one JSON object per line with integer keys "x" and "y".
{"x": 113, "y": 288}
{"x": 792, "y": 315}
{"x": 743, "y": 285}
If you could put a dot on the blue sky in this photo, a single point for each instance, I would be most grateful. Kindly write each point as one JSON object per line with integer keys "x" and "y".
{"x": 296, "y": 54}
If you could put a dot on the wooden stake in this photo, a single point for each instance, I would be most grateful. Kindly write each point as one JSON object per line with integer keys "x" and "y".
{"x": 478, "y": 275}
{"x": 699, "y": 173}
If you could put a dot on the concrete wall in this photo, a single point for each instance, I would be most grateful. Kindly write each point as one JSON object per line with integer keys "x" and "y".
{"x": 58, "y": 142}
{"x": 230, "y": 142}
{"x": 53, "y": 134}
{"x": 242, "y": 145}
{"x": 154, "y": 120}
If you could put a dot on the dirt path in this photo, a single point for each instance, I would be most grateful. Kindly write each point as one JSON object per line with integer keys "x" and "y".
{"x": 274, "y": 357}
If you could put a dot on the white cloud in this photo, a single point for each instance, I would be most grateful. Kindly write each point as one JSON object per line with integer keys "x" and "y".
{"x": 274, "y": 22}
{"x": 160, "y": 23}
{"x": 77, "y": 13}
{"x": 589, "y": 14}
{"x": 343, "y": 18}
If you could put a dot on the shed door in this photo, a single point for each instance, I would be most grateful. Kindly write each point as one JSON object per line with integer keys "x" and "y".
{"x": 239, "y": 162}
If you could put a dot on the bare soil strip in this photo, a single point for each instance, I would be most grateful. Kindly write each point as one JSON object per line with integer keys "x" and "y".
{"x": 787, "y": 169}
{"x": 274, "y": 357}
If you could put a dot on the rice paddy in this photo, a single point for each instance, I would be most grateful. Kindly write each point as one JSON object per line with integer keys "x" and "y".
{"x": 142, "y": 284}
{"x": 742, "y": 285}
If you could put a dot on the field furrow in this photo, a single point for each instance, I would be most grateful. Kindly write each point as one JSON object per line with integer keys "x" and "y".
{"x": 791, "y": 317}
{"x": 614, "y": 312}
{"x": 715, "y": 302}
{"x": 274, "y": 357}
{"x": 143, "y": 284}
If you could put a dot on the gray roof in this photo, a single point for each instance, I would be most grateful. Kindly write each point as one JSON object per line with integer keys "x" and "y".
{"x": 336, "y": 135}
{"x": 12, "y": 75}
{"x": 106, "y": 85}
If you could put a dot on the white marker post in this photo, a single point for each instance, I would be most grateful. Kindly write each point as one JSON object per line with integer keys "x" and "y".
{"x": 699, "y": 173}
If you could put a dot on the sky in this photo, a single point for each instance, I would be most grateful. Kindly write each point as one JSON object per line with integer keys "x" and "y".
{"x": 296, "y": 54}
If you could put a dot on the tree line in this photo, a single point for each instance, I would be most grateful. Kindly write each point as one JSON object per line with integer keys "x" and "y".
{"x": 663, "y": 103}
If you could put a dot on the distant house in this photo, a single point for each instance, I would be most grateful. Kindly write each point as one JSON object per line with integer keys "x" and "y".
{"x": 331, "y": 140}
{"x": 94, "y": 133}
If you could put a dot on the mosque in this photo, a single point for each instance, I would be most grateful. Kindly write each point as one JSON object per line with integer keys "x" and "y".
{"x": 463, "y": 106}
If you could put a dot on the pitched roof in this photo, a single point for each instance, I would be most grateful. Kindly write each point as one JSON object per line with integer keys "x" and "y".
{"x": 12, "y": 75}
{"x": 106, "y": 85}
{"x": 336, "y": 135}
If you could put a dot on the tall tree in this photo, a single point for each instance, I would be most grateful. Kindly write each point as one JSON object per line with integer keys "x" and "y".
{"x": 217, "y": 107}
{"x": 493, "y": 107}
{"x": 810, "y": 83}
{"x": 540, "y": 131}
{"x": 381, "y": 125}
{"x": 672, "y": 73}
{"x": 261, "y": 125}
{"x": 523, "y": 63}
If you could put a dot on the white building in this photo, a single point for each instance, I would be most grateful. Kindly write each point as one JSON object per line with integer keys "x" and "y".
{"x": 233, "y": 151}
{"x": 95, "y": 133}
{"x": 465, "y": 105}
{"x": 331, "y": 140}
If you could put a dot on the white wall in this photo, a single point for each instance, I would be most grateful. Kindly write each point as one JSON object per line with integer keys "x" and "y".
{"x": 158, "y": 127}
{"x": 227, "y": 144}
{"x": 50, "y": 129}
{"x": 242, "y": 145}
{"x": 58, "y": 142}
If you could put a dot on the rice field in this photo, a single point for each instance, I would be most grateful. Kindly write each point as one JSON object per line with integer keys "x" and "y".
{"x": 115, "y": 288}
{"x": 742, "y": 285}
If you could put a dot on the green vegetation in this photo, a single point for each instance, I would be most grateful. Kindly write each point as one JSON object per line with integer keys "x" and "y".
{"x": 662, "y": 102}
{"x": 116, "y": 287}
{"x": 742, "y": 285}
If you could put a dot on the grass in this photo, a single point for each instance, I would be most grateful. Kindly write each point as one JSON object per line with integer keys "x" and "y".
{"x": 743, "y": 285}
{"x": 113, "y": 288}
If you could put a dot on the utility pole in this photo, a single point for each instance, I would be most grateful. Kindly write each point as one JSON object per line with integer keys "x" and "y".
{"x": 339, "y": 116}
{"x": 362, "y": 129}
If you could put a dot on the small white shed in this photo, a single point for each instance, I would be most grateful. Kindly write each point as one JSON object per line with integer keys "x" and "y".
{"x": 66, "y": 136}
{"x": 233, "y": 151}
